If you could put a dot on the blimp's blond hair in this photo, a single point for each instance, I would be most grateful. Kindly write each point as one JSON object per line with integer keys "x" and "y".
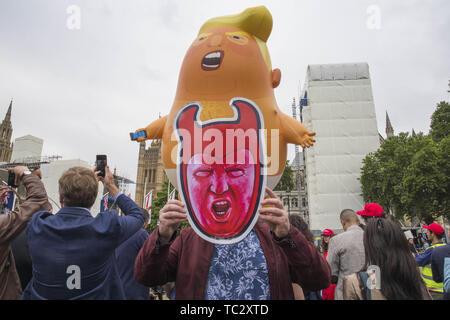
{"x": 256, "y": 21}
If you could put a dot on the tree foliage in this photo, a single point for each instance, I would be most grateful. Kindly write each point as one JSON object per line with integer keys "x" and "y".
{"x": 286, "y": 181}
{"x": 158, "y": 203}
{"x": 440, "y": 122}
{"x": 408, "y": 175}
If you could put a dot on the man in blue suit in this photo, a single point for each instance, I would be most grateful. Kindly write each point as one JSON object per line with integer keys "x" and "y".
{"x": 72, "y": 252}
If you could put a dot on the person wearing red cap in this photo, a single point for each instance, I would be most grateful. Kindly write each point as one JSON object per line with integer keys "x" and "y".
{"x": 438, "y": 266}
{"x": 371, "y": 210}
{"x": 434, "y": 232}
{"x": 327, "y": 234}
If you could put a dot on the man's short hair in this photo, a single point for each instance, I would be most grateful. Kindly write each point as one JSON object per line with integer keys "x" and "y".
{"x": 146, "y": 216}
{"x": 349, "y": 215}
{"x": 438, "y": 236}
{"x": 78, "y": 187}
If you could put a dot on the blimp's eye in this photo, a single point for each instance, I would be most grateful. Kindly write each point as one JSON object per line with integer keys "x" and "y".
{"x": 201, "y": 38}
{"x": 238, "y": 39}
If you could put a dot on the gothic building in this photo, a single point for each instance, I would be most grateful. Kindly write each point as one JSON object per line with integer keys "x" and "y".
{"x": 5, "y": 137}
{"x": 389, "y": 130}
{"x": 150, "y": 174}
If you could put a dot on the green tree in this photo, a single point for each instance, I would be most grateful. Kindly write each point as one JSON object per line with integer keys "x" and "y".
{"x": 158, "y": 203}
{"x": 424, "y": 184}
{"x": 382, "y": 171}
{"x": 286, "y": 182}
{"x": 404, "y": 175}
{"x": 440, "y": 122}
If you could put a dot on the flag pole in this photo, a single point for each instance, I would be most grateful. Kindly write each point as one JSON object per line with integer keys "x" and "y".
{"x": 168, "y": 190}
{"x": 145, "y": 190}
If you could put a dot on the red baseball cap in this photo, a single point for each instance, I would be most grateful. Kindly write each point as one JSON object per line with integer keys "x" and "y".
{"x": 371, "y": 210}
{"x": 434, "y": 227}
{"x": 327, "y": 232}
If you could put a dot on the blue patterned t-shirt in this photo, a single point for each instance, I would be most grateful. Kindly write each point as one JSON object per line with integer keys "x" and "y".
{"x": 238, "y": 271}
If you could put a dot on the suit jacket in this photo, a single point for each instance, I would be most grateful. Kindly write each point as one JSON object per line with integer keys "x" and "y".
{"x": 186, "y": 260}
{"x": 73, "y": 252}
{"x": 11, "y": 225}
{"x": 125, "y": 257}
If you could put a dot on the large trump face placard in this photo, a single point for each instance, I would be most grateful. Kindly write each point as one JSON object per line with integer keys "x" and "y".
{"x": 221, "y": 170}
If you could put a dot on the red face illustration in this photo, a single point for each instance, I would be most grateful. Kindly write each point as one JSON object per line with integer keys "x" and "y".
{"x": 220, "y": 171}
{"x": 221, "y": 194}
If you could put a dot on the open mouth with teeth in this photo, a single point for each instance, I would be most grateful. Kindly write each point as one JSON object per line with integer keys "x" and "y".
{"x": 212, "y": 60}
{"x": 221, "y": 208}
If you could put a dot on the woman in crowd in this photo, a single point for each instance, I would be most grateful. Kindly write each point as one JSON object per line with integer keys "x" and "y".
{"x": 302, "y": 226}
{"x": 392, "y": 273}
{"x": 327, "y": 234}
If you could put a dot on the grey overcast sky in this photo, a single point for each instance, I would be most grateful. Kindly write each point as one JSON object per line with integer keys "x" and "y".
{"x": 83, "y": 90}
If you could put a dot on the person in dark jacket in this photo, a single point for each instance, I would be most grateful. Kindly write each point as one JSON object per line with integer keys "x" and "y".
{"x": 438, "y": 257}
{"x": 22, "y": 259}
{"x": 261, "y": 266}
{"x": 13, "y": 223}
{"x": 126, "y": 254}
{"x": 298, "y": 222}
{"x": 73, "y": 252}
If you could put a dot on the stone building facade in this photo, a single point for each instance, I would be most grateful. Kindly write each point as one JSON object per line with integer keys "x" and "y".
{"x": 5, "y": 137}
{"x": 150, "y": 173}
{"x": 298, "y": 167}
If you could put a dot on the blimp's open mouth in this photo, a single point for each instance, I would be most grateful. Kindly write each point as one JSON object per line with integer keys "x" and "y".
{"x": 212, "y": 60}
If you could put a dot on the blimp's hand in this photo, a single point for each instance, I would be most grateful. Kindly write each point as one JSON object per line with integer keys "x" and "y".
{"x": 275, "y": 215}
{"x": 307, "y": 139}
{"x": 295, "y": 132}
{"x": 139, "y": 136}
{"x": 154, "y": 130}
{"x": 170, "y": 218}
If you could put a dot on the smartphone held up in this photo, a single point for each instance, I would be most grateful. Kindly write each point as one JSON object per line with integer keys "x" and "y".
{"x": 100, "y": 164}
{"x": 11, "y": 179}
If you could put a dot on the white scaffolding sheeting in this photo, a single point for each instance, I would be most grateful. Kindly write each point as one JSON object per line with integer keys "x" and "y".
{"x": 341, "y": 111}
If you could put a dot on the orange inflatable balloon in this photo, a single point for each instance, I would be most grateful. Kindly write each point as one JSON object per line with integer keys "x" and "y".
{"x": 229, "y": 59}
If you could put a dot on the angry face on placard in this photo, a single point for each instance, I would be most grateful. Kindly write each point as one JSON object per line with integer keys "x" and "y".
{"x": 221, "y": 170}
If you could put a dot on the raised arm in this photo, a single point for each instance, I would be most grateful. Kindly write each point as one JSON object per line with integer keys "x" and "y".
{"x": 13, "y": 223}
{"x": 154, "y": 130}
{"x": 295, "y": 132}
{"x": 133, "y": 219}
{"x": 157, "y": 261}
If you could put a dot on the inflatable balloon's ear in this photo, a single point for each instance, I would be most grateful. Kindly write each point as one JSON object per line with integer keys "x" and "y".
{"x": 276, "y": 78}
{"x": 221, "y": 170}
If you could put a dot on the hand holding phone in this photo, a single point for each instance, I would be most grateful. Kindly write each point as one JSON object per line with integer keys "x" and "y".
{"x": 15, "y": 174}
{"x": 11, "y": 179}
{"x": 100, "y": 164}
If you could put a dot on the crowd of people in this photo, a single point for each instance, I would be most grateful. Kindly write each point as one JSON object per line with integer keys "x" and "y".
{"x": 70, "y": 254}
